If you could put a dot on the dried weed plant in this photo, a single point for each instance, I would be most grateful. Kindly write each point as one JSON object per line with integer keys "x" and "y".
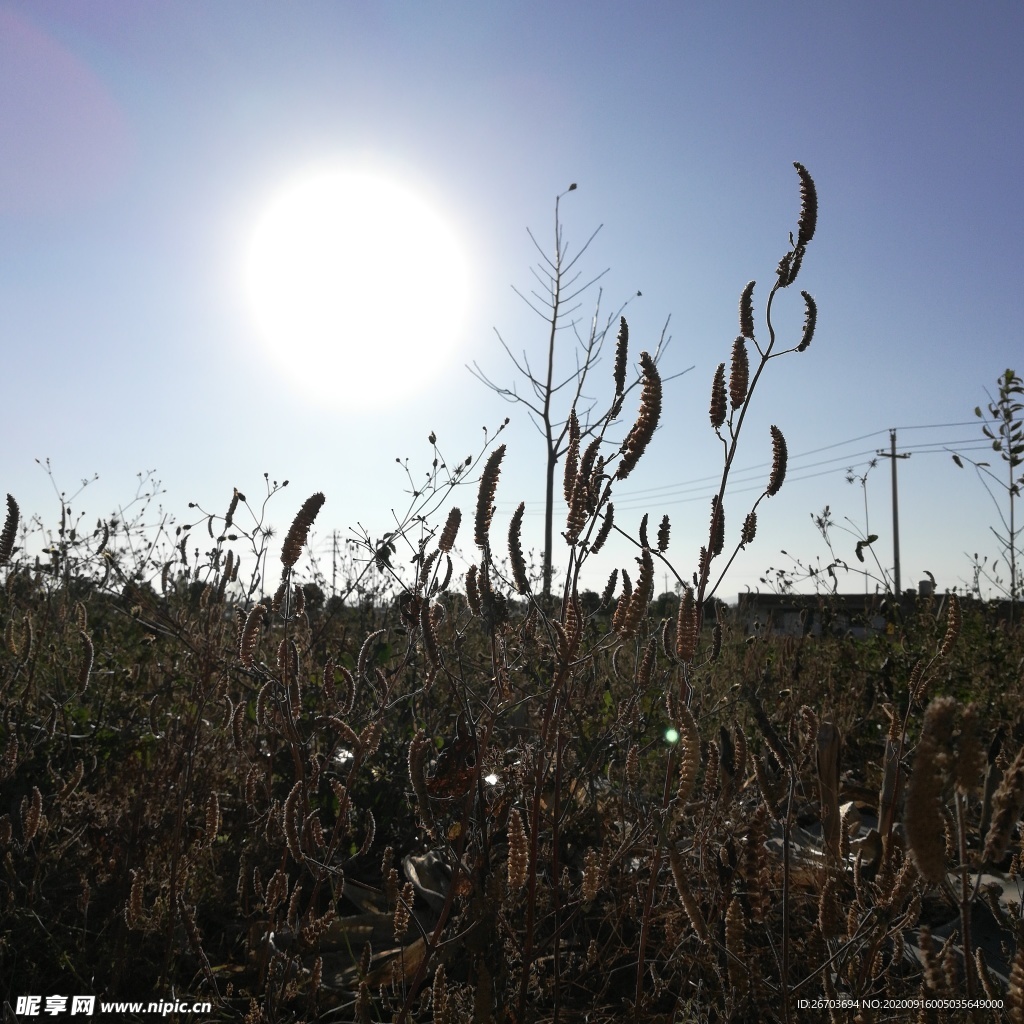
{"x": 493, "y": 806}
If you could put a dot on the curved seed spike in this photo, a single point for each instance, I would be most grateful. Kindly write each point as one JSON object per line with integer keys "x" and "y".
{"x": 749, "y": 528}
{"x": 515, "y": 550}
{"x": 606, "y": 528}
{"x": 663, "y": 532}
{"x": 299, "y": 530}
{"x": 609, "y": 590}
{"x": 717, "y": 527}
{"x": 747, "y": 311}
{"x": 451, "y": 530}
{"x": 808, "y": 206}
{"x": 647, "y": 419}
{"x": 9, "y": 531}
{"x": 485, "y": 498}
{"x": 739, "y": 374}
{"x": 779, "y": 458}
{"x": 621, "y": 349}
{"x": 572, "y": 456}
{"x": 810, "y": 319}
{"x": 718, "y": 397}
{"x": 644, "y": 542}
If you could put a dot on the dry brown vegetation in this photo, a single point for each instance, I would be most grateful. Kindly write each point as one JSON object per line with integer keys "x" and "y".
{"x": 493, "y": 806}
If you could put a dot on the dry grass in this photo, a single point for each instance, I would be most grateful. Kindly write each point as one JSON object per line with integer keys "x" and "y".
{"x": 489, "y": 806}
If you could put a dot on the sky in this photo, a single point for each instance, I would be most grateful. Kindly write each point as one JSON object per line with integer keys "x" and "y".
{"x": 140, "y": 145}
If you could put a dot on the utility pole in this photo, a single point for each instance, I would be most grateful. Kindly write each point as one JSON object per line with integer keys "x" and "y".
{"x": 891, "y": 454}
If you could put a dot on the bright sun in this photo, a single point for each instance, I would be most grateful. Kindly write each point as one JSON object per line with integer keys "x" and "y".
{"x": 357, "y": 287}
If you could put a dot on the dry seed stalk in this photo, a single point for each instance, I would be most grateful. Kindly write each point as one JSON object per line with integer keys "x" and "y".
{"x": 808, "y": 206}
{"x": 517, "y": 850}
{"x": 251, "y": 635}
{"x": 647, "y": 420}
{"x": 810, "y": 320}
{"x": 295, "y": 539}
{"x": 747, "y": 311}
{"x": 621, "y": 348}
{"x": 686, "y": 897}
{"x": 572, "y": 457}
{"x": 606, "y": 528}
{"x": 485, "y": 497}
{"x": 9, "y": 531}
{"x": 450, "y": 531}
{"x": 924, "y": 820}
{"x": 718, "y": 399}
{"x": 1007, "y": 806}
{"x": 779, "y": 459}
{"x": 686, "y": 627}
{"x": 954, "y": 620}
{"x": 663, "y": 532}
{"x": 739, "y": 374}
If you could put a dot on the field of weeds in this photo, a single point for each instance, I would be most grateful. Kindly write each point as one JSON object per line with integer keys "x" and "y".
{"x": 499, "y": 797}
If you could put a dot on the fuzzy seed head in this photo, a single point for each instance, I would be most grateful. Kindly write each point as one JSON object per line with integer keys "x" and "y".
{"x": 749, "y": 528}
{"x": 954, "y": 620}
{"x": 451, "y": 529}
{"x": 717, "y": 534}
{"x": 810, "y": 320}
{"x": 808, "y": 206}
{"x": 780, "y": 456}
{"x": 87, "y": 660}
{"x": 621, "y": 349}
{"x": 591, "y": 875}
{"x": 485, "y": 496}
{"x": 686, "y": 627}
{"x": 251, "y": 635}
{"x": 606, "y": 528}
{"x": 517, "y": 850}
{"x": 9, "y": 530}
{"x": 647, "y": 420}
{"x": 663, "y": 533}
{"x": 572, "y": 456}
{"x": 747, "y": 311}
{"x": 718, "y": 401}
{"x": 1007, "y": 805}
{"x": 299, "y": 531}
{"x": 739, "y": 373}
{"x": 515, "y": 550}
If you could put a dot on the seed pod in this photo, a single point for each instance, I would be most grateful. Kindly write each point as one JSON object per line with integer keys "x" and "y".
{"x": 717, "y": 535}
{"x": 779, "y": 458}
{"x": 606, "y": 528}
{"x": 515, "y": 550}
{"x": 739, "y": 373}
{"x": 9, "y": 531}
{"x": 747, "y": 311}
{"x": 647, "y": 419}
{"x": 299, "y": 530}
{"x": 485, "y": 496}
{"x": 621, "y": 347}
{"x": 251, "y": 636}
{"x": 953, "y": 623}
{"x": 663, "y": 532}
{"x": 686, "y": 627}
{"x": 718, "y": 397}
{"x": 810, "y": 319}
{"x": 808, "y": 206}
{"x": 572, "y": 456}
{"x": 517, "y": 850}
{"x": 451, "y": 529}
{"x": 749, "y": 528}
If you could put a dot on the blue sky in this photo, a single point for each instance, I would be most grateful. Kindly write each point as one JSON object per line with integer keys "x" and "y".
{"x": 139, "y": 143}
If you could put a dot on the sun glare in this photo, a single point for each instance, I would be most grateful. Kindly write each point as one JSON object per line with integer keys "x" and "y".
{"x": 357, "y": 288}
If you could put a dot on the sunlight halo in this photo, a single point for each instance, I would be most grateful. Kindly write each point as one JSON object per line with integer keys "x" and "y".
{"x": 357, "y": 287}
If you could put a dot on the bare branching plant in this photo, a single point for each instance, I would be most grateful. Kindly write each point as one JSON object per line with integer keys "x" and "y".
{"x": 447, "y": 793}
